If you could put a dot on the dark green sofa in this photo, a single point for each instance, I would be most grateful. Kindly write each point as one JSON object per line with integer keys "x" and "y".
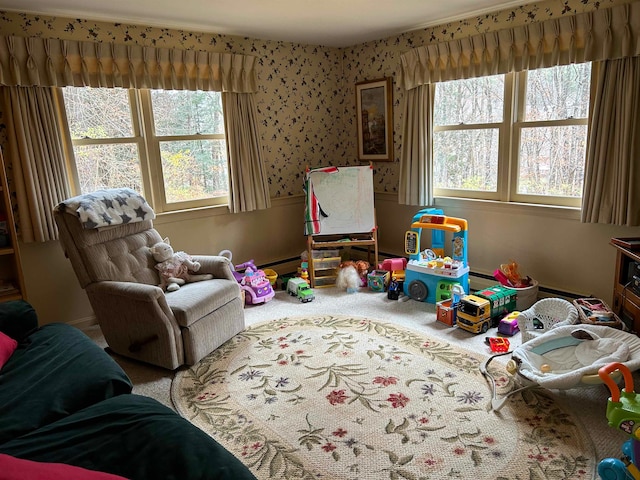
{"x": 64, "y": 400}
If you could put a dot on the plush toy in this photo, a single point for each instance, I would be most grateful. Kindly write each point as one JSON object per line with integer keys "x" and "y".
{"x": 348, "y": 278}
{"x": 175, "y": 268}
{"x": 352, "y": 275}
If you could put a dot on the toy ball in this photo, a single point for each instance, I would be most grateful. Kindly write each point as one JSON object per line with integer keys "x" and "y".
{"x": 545, "y": 368}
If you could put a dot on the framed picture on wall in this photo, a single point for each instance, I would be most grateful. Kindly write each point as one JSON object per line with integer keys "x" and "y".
{"x": 374, "y": 115}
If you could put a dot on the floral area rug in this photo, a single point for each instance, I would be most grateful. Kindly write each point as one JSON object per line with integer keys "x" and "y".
{"x": 339, "y": 397}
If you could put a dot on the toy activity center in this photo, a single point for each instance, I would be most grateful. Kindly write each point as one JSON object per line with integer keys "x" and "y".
{"x": 432, "y": 273}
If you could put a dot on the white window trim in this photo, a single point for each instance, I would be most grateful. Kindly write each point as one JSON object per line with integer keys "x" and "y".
{"x": 148, "y": 145}
{"x": 152, "y": 144}
{"x": 509, "y": 146}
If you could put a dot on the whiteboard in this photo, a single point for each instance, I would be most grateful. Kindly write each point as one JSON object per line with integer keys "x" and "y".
{"x": 345, "y": 196}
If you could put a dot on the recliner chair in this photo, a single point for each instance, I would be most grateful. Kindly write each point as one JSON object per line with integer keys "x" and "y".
{"x": 106, "y": 235}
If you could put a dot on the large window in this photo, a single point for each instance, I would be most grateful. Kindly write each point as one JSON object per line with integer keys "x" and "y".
{"x": 167, "y": 144}
{"x": 518, "y": 137}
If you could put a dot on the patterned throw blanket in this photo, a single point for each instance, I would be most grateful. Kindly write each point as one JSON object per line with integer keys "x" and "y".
{"x": 109, "y": 207}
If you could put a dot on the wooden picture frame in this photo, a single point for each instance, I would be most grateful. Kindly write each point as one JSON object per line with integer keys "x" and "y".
{"x": 374, "y": 117}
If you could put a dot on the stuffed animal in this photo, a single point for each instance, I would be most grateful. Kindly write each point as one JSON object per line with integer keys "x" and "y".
{"x": 175, "y": 268}
{"x": 347, "y": 279}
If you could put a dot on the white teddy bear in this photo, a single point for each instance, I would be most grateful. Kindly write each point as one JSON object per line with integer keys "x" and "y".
{"x": 175, "y": 268}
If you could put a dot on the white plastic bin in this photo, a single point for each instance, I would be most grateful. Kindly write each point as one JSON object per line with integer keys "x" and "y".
{"x": 527, "y": 296}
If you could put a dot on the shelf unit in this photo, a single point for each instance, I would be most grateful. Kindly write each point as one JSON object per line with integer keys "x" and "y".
{"x": 11, "y": 277}
{"x": 626, "y": 301}
{"x": 323, "y": 271}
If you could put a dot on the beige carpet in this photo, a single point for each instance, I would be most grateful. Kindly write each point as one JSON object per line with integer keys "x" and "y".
{"x": 347, "y": 397}
{"x": 588, "y": 403}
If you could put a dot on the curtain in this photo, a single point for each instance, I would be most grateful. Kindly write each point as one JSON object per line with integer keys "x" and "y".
{"x": 50, "y": 62}
{"x": 415, "y": 159}
{"x": 46, "y": 62}
{"x": 612, "y": 174}
{"x": 593, "y": 36}
{"x": 248, "y": 187}
{"x": 35, "y": 148}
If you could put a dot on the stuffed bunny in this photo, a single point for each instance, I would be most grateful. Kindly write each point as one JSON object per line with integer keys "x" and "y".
{"x": 175, "y": 268}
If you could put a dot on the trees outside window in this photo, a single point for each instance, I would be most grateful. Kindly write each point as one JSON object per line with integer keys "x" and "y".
{"x": 168, "y": 145}
{"x": 518, "y": 137}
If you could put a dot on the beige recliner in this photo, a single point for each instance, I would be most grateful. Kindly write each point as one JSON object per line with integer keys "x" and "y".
{"x": 107, "y": 235}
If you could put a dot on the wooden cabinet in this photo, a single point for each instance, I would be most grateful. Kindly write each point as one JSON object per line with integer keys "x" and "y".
{"x": 626, "y": 299}
{"x": 11, "y": 278}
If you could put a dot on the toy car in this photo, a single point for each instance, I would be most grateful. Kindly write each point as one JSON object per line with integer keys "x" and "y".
{"x": 299, "y": 287}
{"x": 509, "y": 324}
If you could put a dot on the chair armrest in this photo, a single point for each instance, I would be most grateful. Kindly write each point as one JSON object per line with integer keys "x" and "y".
{"x": 140, "y": 292}
{"x": 216, "y": 265}
{"x": 137, "y": 322}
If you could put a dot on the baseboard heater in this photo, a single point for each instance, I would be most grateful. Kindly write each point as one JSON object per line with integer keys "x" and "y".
{"x": 477, "y": 279}
{"x": 482, "y": 280}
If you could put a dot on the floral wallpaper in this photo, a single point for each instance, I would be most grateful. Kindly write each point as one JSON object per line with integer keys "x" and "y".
{"x": 307, "y": 96}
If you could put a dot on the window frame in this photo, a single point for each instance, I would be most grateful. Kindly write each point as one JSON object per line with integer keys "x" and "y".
{"x": 148, "y": 144}
{"x": 509, "y": 135}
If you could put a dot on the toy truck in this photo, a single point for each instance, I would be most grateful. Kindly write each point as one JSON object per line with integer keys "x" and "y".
{"x": 484, "y": 309}
{"x": 300, "y": 288}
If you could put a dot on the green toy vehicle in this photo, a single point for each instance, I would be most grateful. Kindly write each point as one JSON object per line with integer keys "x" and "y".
{"x": 300, "y": 288}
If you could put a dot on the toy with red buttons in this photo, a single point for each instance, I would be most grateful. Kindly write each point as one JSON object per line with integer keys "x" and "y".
{"x": 498, "y": 344}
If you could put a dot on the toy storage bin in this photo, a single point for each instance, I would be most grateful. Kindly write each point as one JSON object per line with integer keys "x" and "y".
{"x": 320, "y": 254}
{"x": 594, "y": 311}
{"x": 327, "y": 263}
{"x": 527, "y": 296}
{"x": 329, "y": 281}
{"x": 271, "y": 275}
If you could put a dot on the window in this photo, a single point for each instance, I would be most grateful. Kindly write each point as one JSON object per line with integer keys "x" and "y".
{"x": 168, "y": 144}
{"x": 519, "y": 137}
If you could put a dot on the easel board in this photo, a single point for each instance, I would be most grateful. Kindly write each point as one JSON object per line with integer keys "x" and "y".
{"x": 345, "y": 196}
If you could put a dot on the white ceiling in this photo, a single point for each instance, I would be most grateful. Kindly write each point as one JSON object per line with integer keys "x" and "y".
{"x": 335, "y": 23}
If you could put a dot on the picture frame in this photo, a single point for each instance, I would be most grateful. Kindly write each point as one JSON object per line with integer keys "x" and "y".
{"x": 374, "y": 117}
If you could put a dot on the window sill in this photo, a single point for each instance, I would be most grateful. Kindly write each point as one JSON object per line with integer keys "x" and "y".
{"x": 190, "y": 214}
{"x": 565, "y": 213}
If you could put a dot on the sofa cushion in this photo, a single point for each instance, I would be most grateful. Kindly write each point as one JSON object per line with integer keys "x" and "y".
{"x": 19, "y": 469}
{"x": 56, "y": 371}
{"x": 135, "y": 437}
{"x": 7, "y": 346}
{"x": 17, "y": 319}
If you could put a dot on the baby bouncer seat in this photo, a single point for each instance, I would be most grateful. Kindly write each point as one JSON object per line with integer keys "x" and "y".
{"x": 566, "y": 357}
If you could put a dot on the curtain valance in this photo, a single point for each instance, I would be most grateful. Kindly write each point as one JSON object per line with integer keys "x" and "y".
{"x": 597, "y": 35}
{"x": 47, "y": 62}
